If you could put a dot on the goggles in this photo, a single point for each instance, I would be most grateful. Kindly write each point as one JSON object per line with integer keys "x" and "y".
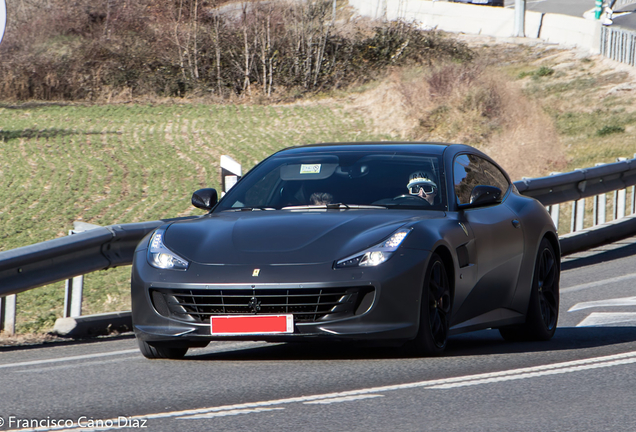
{"x": 427, "y": 188}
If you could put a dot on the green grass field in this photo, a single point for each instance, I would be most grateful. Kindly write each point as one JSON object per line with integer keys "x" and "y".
{"x": 108, "y": 164}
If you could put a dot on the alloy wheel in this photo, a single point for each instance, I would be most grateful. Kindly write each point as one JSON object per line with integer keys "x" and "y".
{"x": 547, "y": 278}
{"x": 439, "y": 304}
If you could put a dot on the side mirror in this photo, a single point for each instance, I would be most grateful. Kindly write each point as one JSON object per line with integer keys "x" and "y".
{"x": 483, "y": 195}
{"x": 205, "y": 198}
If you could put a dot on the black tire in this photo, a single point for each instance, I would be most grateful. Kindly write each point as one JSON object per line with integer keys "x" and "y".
{"x": 543, "y": 308}
{"x": 160, "y": 351}
{"x": 435, "y": 310}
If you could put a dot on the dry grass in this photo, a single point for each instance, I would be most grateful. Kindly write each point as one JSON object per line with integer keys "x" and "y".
{"x": 27, "y": 339}
{"x": 528, "y": 144}
{"x": 468, "y": 103}
{"x": 584, "y": 95}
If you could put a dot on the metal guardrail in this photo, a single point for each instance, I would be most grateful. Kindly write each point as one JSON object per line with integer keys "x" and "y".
{"x": 581, "y": 183}
{"x": 55, "y": 260}
{"x": 575, "y": 186}
{"x": 106, "y": 247}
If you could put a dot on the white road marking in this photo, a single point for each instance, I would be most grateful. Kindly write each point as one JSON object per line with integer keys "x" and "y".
{"x": 536, "y": 374}
{"x": 71, "y": 366}
{"x": 343, "y": 399}
{"x": 598, "y": 283}
{"x": 484, "y": 378}
{"x": 597, "y": 319}
{"x": 224, "y": 347}
{"x": 625, "y": 301}
{"x": 228, "y": 413}
{"x": 65, "y": 359}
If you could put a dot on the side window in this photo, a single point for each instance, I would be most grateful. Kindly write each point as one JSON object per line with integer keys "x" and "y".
{"x": 493, "y": 176}
{"x": 470, "y": 171}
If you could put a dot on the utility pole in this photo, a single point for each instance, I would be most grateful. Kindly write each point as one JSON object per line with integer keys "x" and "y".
{"x": 520, "y": 18}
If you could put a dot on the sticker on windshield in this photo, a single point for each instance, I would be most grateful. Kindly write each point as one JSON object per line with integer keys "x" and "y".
{"x": 310, "y": 169}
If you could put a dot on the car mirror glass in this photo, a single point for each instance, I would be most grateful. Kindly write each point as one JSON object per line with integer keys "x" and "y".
{"x": 205, "y": 198}
{"x": 482, "y": 195}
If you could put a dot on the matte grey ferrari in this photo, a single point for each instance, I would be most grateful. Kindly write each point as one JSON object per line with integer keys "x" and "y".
{"x": 406, "y": 243}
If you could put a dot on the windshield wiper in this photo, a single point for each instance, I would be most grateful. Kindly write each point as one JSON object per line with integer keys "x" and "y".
{"x": 251, "y": 208}
{"x": 335, "y": 206}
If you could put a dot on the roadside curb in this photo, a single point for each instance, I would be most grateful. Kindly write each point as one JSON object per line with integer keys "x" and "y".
{"x": 93, "y": 325}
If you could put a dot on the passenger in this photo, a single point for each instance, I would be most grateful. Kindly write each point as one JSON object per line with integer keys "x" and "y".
{"x": 422, "y": 185}
{"x": 320, "y": 198}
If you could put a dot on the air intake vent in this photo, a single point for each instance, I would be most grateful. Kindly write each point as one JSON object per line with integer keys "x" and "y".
{"x": 306, "y": 304}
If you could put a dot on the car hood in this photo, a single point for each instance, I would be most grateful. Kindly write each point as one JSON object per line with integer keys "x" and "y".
{"x": 285, "y": 237}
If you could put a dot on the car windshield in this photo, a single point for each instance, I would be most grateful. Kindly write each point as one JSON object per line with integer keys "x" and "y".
{"x": 340, "y": 180}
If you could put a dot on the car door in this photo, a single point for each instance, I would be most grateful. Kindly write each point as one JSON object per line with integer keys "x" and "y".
{"x": 498, "y": 235}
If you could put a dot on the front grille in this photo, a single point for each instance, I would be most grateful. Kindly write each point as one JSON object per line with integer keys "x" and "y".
{"x": 306, "y": 304}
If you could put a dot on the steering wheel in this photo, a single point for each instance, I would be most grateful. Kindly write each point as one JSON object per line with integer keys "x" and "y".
{"x": 406, "y": 196}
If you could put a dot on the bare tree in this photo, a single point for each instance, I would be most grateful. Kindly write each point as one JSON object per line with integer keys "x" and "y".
{"x": 246, "y": 81}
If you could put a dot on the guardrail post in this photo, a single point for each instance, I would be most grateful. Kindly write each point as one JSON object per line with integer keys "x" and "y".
{"x": 620, "y": 199}
{"x": 74, "y": 289}
{"x": 554, "y": 209}
{"x": 578, "y": 215}
{"x": 598, "y": 217}
{"x": 599, "y": 209}
{"x": 7, "y": 314}
{"x": 73, "y": 297}
{"x": 620, "y": 202}
{"x": 554, "y": 214}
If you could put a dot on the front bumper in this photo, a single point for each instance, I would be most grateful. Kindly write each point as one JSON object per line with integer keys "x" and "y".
{"x": 374, "y": 303}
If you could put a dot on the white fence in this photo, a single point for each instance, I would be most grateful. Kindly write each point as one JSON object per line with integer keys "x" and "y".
{"x": 618, "y": 44}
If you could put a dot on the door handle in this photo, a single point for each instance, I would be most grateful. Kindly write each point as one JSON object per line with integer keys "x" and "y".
{"x": 516, "y": 223}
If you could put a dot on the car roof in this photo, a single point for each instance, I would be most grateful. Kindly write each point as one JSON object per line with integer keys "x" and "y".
{"x": 433, "y": 148}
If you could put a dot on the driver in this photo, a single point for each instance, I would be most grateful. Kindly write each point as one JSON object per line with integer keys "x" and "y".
{"x": 421, "y": 185}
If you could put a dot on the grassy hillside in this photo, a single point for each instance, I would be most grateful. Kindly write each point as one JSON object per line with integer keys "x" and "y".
{"x": 111, "y": 164}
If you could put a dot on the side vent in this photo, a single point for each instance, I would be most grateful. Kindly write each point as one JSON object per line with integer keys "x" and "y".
{"x": 462, "y": 256}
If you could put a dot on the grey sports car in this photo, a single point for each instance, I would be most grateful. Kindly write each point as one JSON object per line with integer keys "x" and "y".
{"x": 390, "y": 242}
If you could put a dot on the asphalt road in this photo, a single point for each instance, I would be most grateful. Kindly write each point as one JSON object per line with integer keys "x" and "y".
{"x": 566, "y": 7}
{"x": 581, "y": 380}
{"x": 578, "y": 8}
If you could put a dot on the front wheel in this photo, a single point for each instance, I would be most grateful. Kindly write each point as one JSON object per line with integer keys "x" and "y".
{"x": 543, "y": 308}
{"x": 435, "y": 310}
{"x": 160, "y": 351}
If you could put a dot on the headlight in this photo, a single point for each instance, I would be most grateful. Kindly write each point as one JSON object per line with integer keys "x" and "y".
{"x": 377, "y": 254}
{"x": 159, "y": 256}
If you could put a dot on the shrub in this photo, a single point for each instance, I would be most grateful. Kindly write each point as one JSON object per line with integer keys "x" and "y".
{"x": 544, "y": 71}
{"x": 609, "y": 130}
{"x": 91, "y": 49}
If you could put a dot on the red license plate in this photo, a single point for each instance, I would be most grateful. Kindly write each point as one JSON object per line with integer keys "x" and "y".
{"x": 251, "y": 324}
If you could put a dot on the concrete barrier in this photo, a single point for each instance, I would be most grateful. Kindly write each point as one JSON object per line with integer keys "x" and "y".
{"x": 572, "y": 31}
{"x": 93, "y": 325}
{"x": 485, "y": 20}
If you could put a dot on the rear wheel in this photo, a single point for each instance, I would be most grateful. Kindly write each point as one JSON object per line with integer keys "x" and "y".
{"x": 435, "y": 310}
{"x": 543, "y": 308}
{"x": 160, "y": 351}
